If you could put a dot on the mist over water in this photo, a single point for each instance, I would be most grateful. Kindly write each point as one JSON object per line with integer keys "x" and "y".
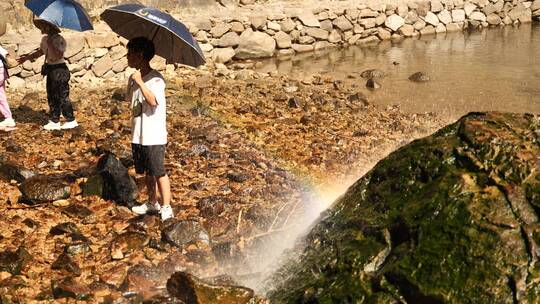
{"x": 273, "y": 250}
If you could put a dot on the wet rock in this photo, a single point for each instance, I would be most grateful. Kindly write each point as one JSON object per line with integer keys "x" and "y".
{"x": 112, "y": 145}
{"x": 93, "y": 186}
{"x": 419, "y": 77}
{"x": 77, "y": 211}
{"x": 45, "y": 188}
{"x": 12, "y": 146}
{"x": 294, "y": 102}
{"x": 143, "y": 279}
{"x": 305, "y": 119}
{"x": 63, "y": 228}
{"x": 78, "y": 237}
{"x": 372, "y": 84}
{"x": 200, "y": 150}
{"x": 180, "y": 233}
{"x": 372, "y": 73}
{"x": 198, "y": 185}
{"x": 223, "y": 279}
{"x": 129, "y": 241}
{"x": 10, "y": 171}
{"x": 360, "y": 133}
{"x": 358, "y": 97}
{"x": 30, "y": 223}
{"x": 65, "y": 263}
{"x": 70, "y": 288}
{"x": 190, "y": 289}
{"x": 238, "y": 177}
{"x": 166, "y": 299}
{"x": 210, "y": 206}
{"x": 14, "y": 262}
{"x": 440, "y": 209}
{"x": 115, "y": 111}
{"x": 77, "y": 248}
{"x": 175, "y": 261}
{"x": 115, "y": 275}
{"x": 116, "y": 184}
{"x": 14, "y": 282}
{"x": 119, "y": 94}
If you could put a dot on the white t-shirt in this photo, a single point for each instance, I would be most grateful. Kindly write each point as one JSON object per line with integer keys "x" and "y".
{"x": 58, "y": 43}
{"x": 4, "y": 53}
{"x": 150, "y": 128}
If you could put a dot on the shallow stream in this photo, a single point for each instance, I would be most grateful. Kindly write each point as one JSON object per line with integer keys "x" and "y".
{"x": 491, "y": 70}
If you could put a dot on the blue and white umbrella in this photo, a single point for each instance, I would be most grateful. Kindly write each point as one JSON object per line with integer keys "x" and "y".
{"x": 62, "y": 13}
{"x": 171, "y": 38}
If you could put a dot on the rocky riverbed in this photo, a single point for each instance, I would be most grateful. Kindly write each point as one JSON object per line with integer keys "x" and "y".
{"x": 242, "y": 156}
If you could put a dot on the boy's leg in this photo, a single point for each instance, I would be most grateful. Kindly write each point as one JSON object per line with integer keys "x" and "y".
{"x": 53, "y": 98}
{"x": 164, "y": 186}
{"x": 4, "y": 106}
{"x": 140, "y": 156}
{"x": 63, "y": 94}
{"x": 156, "y": 168}
{"x": 151, "y": 188}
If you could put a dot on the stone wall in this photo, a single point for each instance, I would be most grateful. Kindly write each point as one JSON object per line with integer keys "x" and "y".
{"x": 100, "y": 55}
{"x": 18, "y": 16}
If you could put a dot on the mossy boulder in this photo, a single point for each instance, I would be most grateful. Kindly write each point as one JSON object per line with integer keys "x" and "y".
{"x": 190, "y": 289}
{"x": 451, "y": 218}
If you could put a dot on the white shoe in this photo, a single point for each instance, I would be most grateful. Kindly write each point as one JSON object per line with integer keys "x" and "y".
{"x": 70, "y": 125}
{"x": 52, "y": 126}
{"x": 166, "y": 212}
{"x": 146, "y": 207}
{"x": 7, "y": 123}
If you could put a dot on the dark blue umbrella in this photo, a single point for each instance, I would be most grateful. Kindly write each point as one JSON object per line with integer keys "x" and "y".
{"x": 62, "y": 13}
{"x": 171, "y": 38}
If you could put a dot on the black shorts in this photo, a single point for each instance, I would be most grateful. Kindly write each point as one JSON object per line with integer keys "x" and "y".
{"x": 149, "y": 159}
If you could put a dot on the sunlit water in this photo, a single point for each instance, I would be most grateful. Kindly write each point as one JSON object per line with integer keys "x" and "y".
{"x": 492, "y": 70}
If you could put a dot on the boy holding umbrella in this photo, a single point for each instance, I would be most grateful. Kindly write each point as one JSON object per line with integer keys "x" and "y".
{"x": 146, "y": 93}
{"x": 143, "y": 26}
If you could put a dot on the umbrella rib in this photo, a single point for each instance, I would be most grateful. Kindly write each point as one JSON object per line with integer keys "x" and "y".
{"x": 155, "y": 34}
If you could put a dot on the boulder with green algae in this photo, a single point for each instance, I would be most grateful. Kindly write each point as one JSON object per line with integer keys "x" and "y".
{"x": 451, "y": 218}
{"x": 190, "y": 289}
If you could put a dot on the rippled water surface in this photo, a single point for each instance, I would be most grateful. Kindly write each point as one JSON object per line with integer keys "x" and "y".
{"x": 492, "y": 70}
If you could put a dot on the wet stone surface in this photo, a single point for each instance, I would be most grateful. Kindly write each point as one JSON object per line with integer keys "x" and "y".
{"x": 193, "y": 290}
{"x": 14, "y": 262}
{"x": 45, "y": 188}
{"x": 419, "y": 77}
{"x": 63, "y": 228}
{"x": 180, "y": 233}
{"x": 70, "y": 288}
{"x": 65, "y": 263}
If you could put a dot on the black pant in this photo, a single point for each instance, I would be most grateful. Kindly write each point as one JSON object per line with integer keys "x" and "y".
{"x": 58, "y": 92}
{"x": 149, "y": 159}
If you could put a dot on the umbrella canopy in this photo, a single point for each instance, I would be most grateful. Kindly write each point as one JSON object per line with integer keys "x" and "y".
{"x": 62, "y": 13}
{"x": 171, "y": 38}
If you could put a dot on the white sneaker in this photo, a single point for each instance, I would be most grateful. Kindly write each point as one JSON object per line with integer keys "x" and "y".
{"x": 166, "y": 212}
{"x": 70, "y": 125}
{"x": 146, "y": 207}
{"x": 52, "y": 126}
{"x": 7, "y": 123}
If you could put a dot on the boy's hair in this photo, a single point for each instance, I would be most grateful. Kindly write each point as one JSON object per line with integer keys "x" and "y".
{"x": 142, "y": 45}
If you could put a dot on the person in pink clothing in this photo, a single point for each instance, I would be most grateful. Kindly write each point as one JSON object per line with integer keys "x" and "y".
{"x": 5, "y": 62}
